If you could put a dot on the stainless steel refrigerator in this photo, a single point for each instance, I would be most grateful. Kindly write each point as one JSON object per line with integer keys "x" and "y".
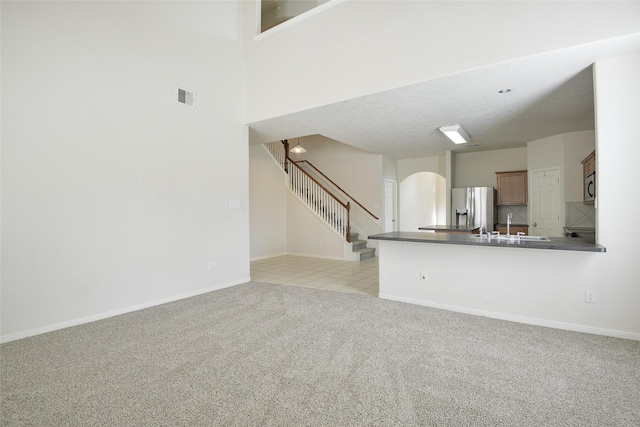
{"x": 474, "y": 206}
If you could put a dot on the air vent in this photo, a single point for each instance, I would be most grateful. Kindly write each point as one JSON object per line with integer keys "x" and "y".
{"x": 187, "y": 98}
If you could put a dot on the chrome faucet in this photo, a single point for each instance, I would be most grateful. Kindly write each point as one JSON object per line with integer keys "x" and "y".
{"x": 481, "y": 228}
{"x": 509, "y": 217}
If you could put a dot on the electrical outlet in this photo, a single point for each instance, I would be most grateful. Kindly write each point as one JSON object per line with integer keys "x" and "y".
{"x": 590, "y": 296}
{"x": 210, "y": 266}
{"x": 423, "y": 276}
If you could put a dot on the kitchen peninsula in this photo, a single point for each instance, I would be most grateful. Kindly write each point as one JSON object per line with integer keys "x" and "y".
{"x": 529, "y": 282}
{"x": 463, "y": 229}
{"x": 463, "y": 238}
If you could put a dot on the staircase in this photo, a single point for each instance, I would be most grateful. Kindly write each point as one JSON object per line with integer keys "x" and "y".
{"x": 317, "y": 196}
{"x": 360, "y": 248}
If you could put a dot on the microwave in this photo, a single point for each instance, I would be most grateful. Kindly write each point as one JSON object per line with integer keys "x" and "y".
{"x": 590, "y": 187}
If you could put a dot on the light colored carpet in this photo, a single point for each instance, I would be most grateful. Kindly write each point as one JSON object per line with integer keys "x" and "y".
{"x": 260, "y": 354}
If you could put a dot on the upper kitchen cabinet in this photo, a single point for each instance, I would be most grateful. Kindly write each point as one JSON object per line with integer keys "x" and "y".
{"x": 512, "y": 188}
{"x": 588, "y": 173}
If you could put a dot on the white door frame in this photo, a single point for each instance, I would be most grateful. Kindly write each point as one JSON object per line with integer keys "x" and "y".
{"x": 391, "y": 205}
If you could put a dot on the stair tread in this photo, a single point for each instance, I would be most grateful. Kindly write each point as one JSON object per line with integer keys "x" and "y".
{"x": 365, "y": 250}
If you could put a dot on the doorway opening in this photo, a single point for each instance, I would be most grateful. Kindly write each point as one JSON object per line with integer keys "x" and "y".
{"x": 422, "y": 201}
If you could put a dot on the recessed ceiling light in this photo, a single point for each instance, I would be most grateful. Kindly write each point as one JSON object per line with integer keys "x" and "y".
{"x": 504, "y": 91}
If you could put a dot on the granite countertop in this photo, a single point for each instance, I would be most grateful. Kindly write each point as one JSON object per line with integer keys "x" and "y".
{"x": 462, "y": 228}
{"x": 556, "y": 243}
{"x": 583, "y": 229}
{"x": 504, "y": 224}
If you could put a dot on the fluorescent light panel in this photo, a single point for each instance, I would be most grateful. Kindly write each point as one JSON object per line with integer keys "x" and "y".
{"x": 456, "y": 134}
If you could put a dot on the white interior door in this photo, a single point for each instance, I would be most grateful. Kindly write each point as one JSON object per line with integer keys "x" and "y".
{"x": 390, "y": 203}
{"x": 544, "y": 199}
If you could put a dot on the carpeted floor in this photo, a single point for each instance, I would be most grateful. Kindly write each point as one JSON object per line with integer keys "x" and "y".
{"x": 272, "y": 355}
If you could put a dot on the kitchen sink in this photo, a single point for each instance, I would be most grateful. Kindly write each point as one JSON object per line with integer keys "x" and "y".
{"x": 511, "y": 238}
{"x": 532, "y": 238}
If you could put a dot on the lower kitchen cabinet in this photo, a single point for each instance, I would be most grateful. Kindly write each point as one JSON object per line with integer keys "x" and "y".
{"x": 515, "y": 229}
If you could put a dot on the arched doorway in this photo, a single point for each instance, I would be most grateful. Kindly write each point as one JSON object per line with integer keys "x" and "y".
{"x": 422, "y": 201}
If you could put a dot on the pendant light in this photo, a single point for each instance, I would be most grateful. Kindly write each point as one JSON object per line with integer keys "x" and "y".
{"x": 298, "y": 149}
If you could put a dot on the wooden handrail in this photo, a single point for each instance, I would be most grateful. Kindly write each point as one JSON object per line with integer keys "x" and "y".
{"x": 335, "y": 217}
{"x": 345, "y": 205}
{"x": 336, "y": 185}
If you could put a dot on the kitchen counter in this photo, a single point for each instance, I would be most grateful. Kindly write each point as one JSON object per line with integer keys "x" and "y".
{"x": 580, "y": 229}
{"x": 451, "y": 228}
{"x": 586, "y": 233}
{"x": 556, "y": 243}
{"x": 513, "y": 224}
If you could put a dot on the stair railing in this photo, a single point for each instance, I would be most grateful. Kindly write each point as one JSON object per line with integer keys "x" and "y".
{"x": 333, "y": 211}
{"x": 325, "y": 204}
{"x": 338, "y": 187}
{"x": 280, "y": 155}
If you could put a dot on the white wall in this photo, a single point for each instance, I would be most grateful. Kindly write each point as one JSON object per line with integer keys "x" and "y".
{"x": 617, "y": 153}
{"x": 308, "y": 235}
{"x": 355, "y": 48}
{"x": 114, "y": 196}
{"x": 268, "y": 205}
{"x": 408, "y": 167}
{"x": 547, "y": 287}
{"x": 546, "y": 153}
{"x": 479, "y": 169}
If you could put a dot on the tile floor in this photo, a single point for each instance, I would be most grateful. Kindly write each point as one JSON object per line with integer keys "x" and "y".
{"x": 340, "y": 276}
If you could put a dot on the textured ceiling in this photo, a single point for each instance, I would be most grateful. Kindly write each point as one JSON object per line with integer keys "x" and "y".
{"x": 550, "y": 94}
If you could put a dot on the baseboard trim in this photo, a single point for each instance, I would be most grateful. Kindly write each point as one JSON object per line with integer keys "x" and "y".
{"x": 519, "y": 319}
{"x": 306, "y": 256}
{"x": 268, "y": 256}
{"x": 112, "y": 313}
{"x": 335, "y": 258}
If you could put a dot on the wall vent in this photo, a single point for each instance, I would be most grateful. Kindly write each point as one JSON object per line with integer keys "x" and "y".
{"x": 187, "y": 98}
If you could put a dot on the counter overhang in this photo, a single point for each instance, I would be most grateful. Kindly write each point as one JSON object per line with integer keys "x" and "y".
{"x": 555, "y": 243}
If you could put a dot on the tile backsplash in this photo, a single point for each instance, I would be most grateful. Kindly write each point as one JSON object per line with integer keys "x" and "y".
{"x": 580, "y": 215}
{"x": 519, "y": 214}
{"x": 577, "y": 215}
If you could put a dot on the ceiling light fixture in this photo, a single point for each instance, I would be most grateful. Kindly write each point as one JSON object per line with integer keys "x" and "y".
{"x": 455, "y": 133}
{"x": 298, "y": 149}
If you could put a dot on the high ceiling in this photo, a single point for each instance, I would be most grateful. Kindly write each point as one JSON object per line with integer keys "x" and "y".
{"x": 550, "y": 94}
